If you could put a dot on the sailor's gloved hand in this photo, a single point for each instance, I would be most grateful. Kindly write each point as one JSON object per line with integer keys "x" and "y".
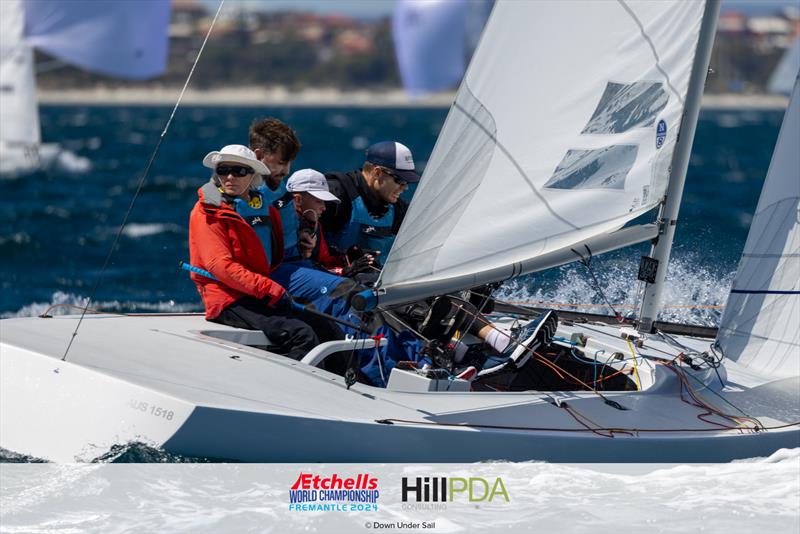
{"x": 364, "y": 263}
{"x": 284, "y": 305}
{"x": 355, "y": 252}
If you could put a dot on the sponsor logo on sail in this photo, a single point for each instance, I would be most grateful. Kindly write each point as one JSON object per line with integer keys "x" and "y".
{"x": 334, "y": 493}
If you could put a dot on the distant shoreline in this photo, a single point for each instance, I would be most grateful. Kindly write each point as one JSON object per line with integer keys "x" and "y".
{"x": 283, "y": 97}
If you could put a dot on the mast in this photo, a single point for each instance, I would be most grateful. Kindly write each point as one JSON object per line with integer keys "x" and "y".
{"x": 668, "y": 213}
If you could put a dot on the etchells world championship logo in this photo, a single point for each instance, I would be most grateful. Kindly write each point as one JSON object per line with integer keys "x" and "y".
{"x": 322, "y": 493}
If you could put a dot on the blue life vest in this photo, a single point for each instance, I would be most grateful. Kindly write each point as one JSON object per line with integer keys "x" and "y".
{"x": 283, "y": 201}
{"x": 256, "y": 213}
{"x": 366, "y": 231}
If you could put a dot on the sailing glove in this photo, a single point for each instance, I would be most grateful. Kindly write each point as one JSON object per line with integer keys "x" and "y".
{"x": 284, "y": 305}
{"x": 364, "y": 263}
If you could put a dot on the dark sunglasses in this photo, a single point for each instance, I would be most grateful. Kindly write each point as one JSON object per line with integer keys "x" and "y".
{"x": 236, "y": 170}
{"x": 399, "y": 181}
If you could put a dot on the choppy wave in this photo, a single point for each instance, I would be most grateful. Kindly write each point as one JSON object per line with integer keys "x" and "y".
{"x": 137, "y": 230}
{"x": 694, "y": 293}
{"x": 62, "y": 303}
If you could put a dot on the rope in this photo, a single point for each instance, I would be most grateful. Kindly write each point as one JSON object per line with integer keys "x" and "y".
{"x": 586, "y": 261}
{"x": 635, "y": 368}
{"x": 142, "y": 180}
{"x": 594, "y": 305}
{"x": 593, "y": 430}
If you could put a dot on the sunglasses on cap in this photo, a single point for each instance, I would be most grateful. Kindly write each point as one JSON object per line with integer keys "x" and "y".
{"x": 399, "y": 181}
{"x": 236, "y": 170}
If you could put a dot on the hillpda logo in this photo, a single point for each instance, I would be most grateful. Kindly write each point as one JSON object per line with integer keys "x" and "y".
{"x": 450, "y": 489}
{"x": 322, "y": 493}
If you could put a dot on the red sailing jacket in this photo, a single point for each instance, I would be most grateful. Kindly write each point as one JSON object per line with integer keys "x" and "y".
{"x": 223, "y": 243}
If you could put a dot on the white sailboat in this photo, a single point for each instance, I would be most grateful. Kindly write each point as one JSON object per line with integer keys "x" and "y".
{"x": 534, "y": 161}
{"x": 120, "y": 39}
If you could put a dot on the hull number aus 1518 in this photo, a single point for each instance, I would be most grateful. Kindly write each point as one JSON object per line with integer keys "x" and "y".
{"x": 152, "y": 409}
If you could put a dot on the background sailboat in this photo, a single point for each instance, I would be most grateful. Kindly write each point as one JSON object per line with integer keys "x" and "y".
{"x": 118, "y": 38}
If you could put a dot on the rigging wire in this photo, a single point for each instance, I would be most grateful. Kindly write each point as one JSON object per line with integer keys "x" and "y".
{"x": 142, "y": 180}
{"x": 586, "y": 261}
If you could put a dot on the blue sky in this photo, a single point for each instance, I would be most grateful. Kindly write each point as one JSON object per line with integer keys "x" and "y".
{"x": 379, "y": 8}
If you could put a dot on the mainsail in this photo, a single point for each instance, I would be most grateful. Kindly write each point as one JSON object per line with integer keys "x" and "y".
{"x": 761, "y": 324}
{"x": 562, "y": 131}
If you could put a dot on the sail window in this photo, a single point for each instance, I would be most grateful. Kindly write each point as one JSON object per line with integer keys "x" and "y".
{"x": 626, "y": 106}
{"x": 604, "y": 168}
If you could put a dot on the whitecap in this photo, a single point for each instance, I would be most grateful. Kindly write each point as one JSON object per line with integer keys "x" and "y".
{"x": 62, "y": 303}
{"x": 359, "y": 142}
{"x": 693, "y": 294}
{"x": 137, "y": 230}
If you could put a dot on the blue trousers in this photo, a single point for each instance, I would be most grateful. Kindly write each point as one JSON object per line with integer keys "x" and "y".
{"x": 309, "y": 285}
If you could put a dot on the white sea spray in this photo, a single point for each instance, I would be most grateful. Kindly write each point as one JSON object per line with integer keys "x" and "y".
{"x": 62, "y": 303}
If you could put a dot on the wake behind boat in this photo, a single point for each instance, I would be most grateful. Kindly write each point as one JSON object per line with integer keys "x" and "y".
{"x": 540, "y": 151}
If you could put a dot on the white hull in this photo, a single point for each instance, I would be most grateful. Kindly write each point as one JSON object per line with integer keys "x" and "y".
{"x": 172, "y": 382}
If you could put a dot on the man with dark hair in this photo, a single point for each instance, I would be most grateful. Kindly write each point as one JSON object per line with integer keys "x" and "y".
{"x": 276, "y": 146}
{"x": 371, "y": 211}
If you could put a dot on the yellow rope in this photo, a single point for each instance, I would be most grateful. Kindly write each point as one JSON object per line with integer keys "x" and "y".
{"x": 635, "y": 368}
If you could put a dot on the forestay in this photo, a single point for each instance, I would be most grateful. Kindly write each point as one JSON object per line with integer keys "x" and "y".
{"x": 562, "y": 131}
{"x": 760, "y": 327}
{"x": 20, "y": 119}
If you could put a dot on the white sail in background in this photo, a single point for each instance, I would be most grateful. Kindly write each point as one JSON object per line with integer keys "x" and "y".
{"x": 761, "y": 324}
{"x": 563, "y": 130}
{"x": 125, "y": 39}
{"x": 19, "y": 124}
{"x": 782, "y": 78}
{"x": 430, "y": 43}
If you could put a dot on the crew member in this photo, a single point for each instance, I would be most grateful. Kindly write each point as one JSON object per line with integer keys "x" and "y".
{"x": 310, "y": 190}
{"x": 276, "y": 145}
{"x": 237, "y": 236}
{"x": 371, "y": 211}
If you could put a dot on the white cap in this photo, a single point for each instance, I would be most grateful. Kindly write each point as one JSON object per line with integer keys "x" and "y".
{"x": 310, "y": 181}
{"x": 235, "y": 154}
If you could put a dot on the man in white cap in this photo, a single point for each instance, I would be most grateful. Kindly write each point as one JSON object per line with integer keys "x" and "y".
{"x": 236, "y": 235}
{"x": 371, "y": 211}
{"x": 311, "y": 193}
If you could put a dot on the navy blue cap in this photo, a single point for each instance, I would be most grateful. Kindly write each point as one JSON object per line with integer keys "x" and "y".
{"x": 395, "y": 156}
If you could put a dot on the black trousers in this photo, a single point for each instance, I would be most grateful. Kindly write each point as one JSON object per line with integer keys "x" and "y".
{"x": 291, "y": 336}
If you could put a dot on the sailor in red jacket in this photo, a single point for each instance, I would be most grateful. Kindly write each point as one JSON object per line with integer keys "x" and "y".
{"x": 237, "y": 236}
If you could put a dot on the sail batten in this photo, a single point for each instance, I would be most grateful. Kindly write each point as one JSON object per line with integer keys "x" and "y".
{"x": 562, "y": 131}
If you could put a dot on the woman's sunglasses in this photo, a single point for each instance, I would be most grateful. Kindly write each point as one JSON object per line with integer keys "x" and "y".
{"x": 236, "y": 170}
